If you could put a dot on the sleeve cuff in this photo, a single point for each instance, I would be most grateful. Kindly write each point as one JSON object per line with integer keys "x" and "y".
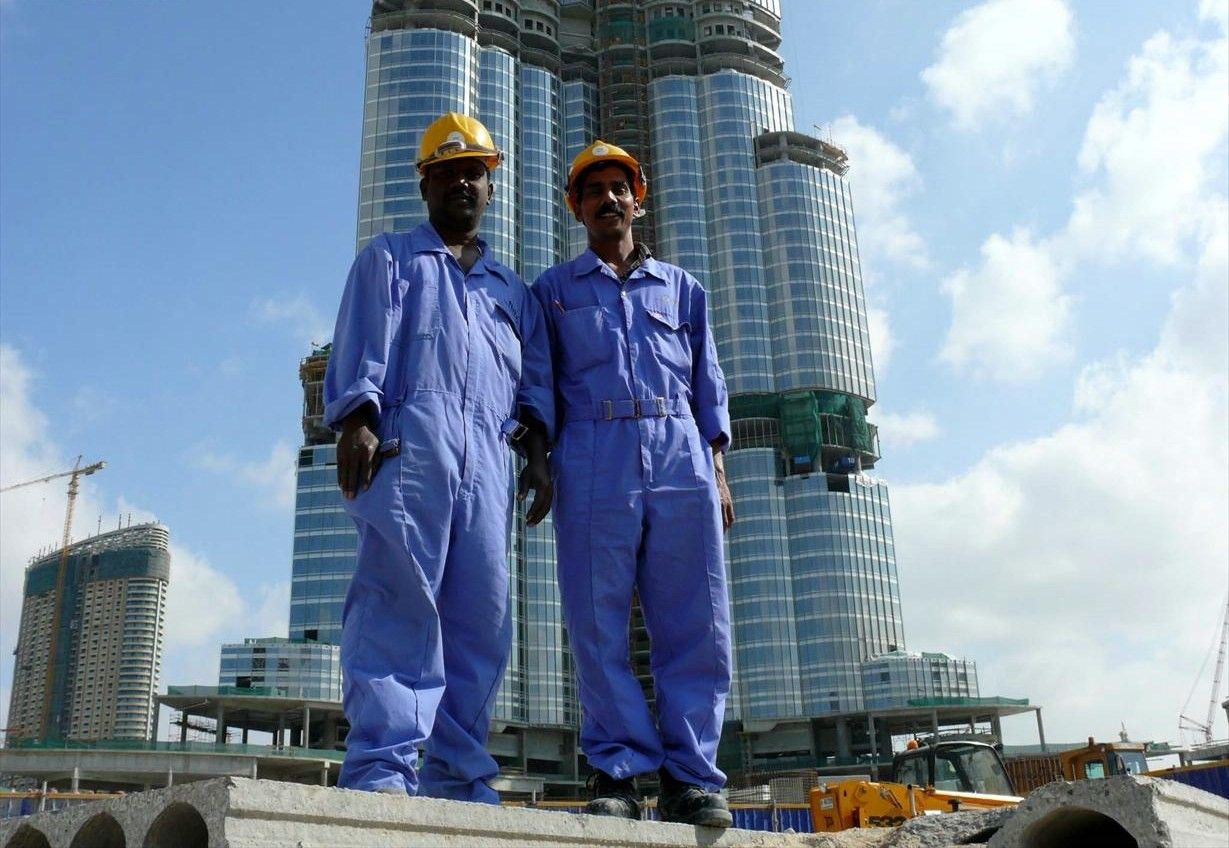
{"x": 363, "y": 391}
{"x": 539, "y": 405}
{"x": 714, "y": 424}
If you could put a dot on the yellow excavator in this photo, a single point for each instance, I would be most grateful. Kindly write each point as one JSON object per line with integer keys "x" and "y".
{"x": 942, "y": 777}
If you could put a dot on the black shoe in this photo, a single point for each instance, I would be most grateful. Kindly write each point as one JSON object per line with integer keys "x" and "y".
{"x": 687, "y": 803}
{"x": 613, "y": 797}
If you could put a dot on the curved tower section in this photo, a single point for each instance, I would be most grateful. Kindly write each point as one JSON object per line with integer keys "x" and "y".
{"x": 422, "y": 61}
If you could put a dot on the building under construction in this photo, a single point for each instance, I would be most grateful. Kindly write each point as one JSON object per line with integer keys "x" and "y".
{"x": 89, "y": 651}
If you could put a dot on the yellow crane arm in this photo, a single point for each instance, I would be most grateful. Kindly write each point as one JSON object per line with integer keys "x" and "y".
{"x": 80, "y": 472}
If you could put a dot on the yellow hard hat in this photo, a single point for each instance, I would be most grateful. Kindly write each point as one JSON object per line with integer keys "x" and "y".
{"x": 601, "y": 151}
{"x": 456, "y": 136}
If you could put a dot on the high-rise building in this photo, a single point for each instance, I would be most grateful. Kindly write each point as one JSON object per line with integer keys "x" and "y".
{"x": 763, "y": 216}
{"x": 96, "y": 677}
{"x": 284, "y": 668}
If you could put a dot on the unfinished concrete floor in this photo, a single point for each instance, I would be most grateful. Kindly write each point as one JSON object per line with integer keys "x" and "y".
{"x": 242, "y": 813}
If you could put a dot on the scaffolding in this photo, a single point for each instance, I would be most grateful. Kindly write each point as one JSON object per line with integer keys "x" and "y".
{"x": 311, "y": 375}
{"x": 623, "y": 83}
{"x": 813, "y": 430}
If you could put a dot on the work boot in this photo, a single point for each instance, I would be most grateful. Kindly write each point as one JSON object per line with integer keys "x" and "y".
{"x": 687, "y": 803}
{"x": 613, "y": 797}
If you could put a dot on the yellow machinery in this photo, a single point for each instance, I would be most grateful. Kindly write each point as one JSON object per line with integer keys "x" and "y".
{"x": 1092, "y": 762}
{"x": 941, "y": 778}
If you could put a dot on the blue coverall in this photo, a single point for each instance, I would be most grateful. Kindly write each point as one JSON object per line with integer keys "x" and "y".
{"x": 450, "y": 360}
{"x": 640, "y": 397}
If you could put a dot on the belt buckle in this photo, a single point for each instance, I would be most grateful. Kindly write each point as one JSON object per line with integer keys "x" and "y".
{"x": 609, "y": 405}
{"x": 661, "y": 406}
{"x": 636, "y": 408}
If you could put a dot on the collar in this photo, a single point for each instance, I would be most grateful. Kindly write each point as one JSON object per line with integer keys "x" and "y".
{"x": 642, "y": 260}
{"x": 425, "y": 239}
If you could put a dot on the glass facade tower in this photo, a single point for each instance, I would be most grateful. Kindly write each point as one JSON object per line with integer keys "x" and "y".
{"x": 282, "y": 668}
{"x": 763, "y": 216}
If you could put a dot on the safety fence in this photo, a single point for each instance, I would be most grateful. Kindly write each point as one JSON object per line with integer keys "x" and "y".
{"x": 14, "y": 804}
{"x": 175, "y": 748}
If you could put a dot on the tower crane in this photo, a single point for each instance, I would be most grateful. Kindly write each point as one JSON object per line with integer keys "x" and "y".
{"x": 1205, "y": 727}
{"x": 74, "y": 476}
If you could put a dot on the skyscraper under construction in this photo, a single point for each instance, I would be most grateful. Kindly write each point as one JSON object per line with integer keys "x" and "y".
{"x": 89, "y": 651}
{"x": 763, "y": 216}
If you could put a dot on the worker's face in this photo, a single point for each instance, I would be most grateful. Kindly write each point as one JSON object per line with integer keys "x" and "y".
{"x": 607, "y": 203}
{"x": 457, "y": 192}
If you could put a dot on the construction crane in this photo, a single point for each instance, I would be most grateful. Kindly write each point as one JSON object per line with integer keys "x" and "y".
{"x": 74, "y": 476}
{"x": 1204, "y": 728}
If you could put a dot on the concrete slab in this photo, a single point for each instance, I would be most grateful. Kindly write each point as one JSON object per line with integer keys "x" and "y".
{"x": 242, "y": 813}
{"x": 1129, "y": 811}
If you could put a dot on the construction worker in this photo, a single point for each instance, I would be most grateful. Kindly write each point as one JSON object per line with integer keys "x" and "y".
{"x": 642, "y": 500}
{"x": 440, "y": 361}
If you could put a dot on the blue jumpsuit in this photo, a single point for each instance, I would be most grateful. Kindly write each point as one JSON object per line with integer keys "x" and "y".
{"x": 449, "y": 359}
{"x": 640, "y": 396}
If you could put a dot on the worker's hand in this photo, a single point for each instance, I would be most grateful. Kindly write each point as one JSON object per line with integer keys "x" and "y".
{"x": 358, "y": 452}
{"x": 723, "y": 490}
{"x": 535, "y": 475}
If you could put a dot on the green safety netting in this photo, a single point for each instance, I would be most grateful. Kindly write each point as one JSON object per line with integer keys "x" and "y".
{"x": 665, "y": 29}
{"x": 754, "y": 406}
{"x": 617, "y": 31}
{"x": 810, "y": 419}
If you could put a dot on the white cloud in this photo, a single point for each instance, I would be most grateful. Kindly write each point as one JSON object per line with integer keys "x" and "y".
{"x": 1010, "y": 317}
{"x": 32, "y": 517}
{"x": 1216, "y": 11}
{"x": 273, "y": 612}
{"x": 901, "y": 430}
{"x": 1104, "y": 542}
{"x": 1155, "y": 147}
{"x": 297, "y": 314}
{"x": 195, "y": 631}
{"x": 204, "y": 605}
{"x": 191, "y": 623}
{"x": 1154, "y": 157}
{"x": 272, "y": 478}
{"x": 997, "y": 57}
{"x": 883, "y": 343}
{"x": 882, "y": 177}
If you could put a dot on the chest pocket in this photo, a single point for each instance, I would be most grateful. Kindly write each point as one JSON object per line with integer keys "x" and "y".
{"x": 420, "y": 306}
{"x": 669, "y": 338}
{"x": 506, "y": 337}
{"x": 586, "y": 337}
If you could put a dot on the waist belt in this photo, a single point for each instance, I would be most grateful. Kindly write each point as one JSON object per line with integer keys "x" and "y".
{"x": 608, "y": 410}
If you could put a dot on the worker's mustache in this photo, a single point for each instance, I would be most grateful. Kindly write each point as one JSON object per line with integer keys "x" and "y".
{"x": 608, "y": 208}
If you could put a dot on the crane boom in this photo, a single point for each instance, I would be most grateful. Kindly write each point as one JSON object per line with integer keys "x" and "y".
{"x": 80, "y": 472}
{"x": 1216, "y": 675}
{"x": 1185, "y": 722}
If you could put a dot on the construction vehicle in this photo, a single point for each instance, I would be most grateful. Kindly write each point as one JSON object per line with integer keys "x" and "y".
{"x": 1097, "y": 760}
{"x": 1092, "y": 762}
{"x": 942, "y": 777}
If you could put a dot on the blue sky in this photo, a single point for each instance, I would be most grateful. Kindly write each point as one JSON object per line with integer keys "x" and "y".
{"x": 1041, "y": 193}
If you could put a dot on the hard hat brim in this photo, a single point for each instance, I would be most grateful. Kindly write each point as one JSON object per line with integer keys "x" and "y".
{"x": 491, "y": 158}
